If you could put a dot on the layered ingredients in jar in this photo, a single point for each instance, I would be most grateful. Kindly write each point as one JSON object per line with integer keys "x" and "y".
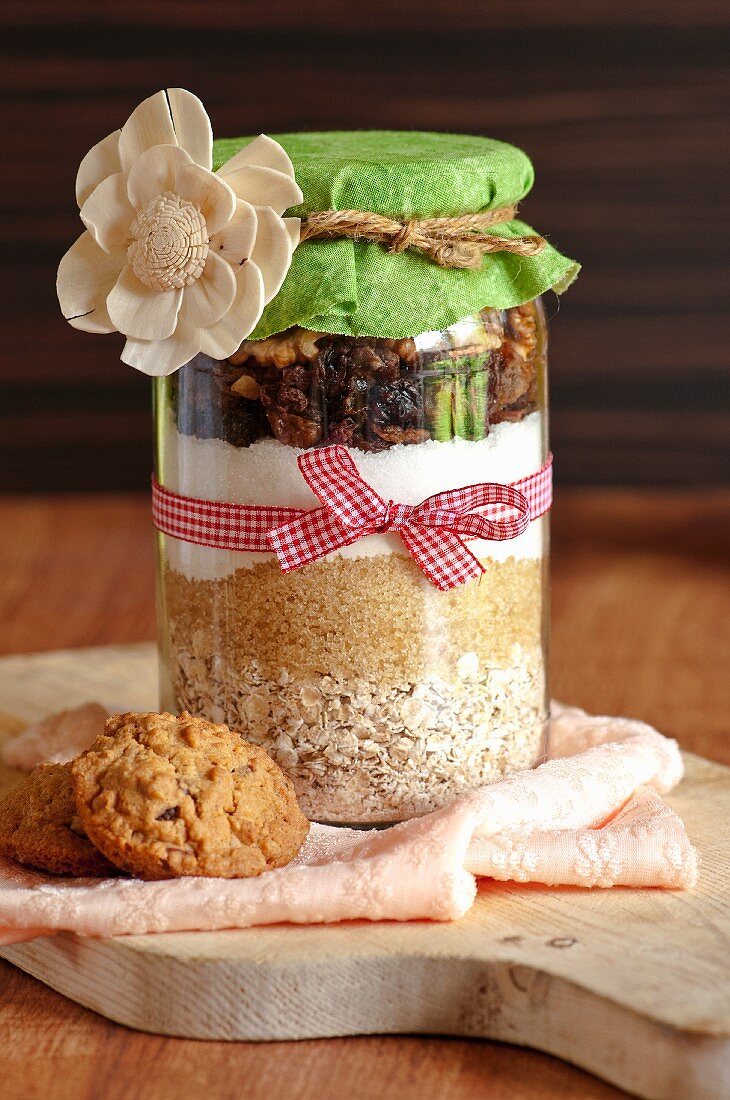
{"x": 381, "y": 696}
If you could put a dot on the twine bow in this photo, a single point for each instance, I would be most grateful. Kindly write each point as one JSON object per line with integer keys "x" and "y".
{"x": 433, "y": 532}
{"x": 449, "y": 242}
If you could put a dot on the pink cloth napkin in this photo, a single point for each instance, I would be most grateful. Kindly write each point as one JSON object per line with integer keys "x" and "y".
{"x": 591, "y": 816}
{"x": 55, "y": 739}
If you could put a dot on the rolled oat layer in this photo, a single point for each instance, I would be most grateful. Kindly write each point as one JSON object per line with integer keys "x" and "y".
{"x": 381, "y": 697}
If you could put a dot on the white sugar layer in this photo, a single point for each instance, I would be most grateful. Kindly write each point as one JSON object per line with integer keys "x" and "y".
{"x": 267, "y": 474}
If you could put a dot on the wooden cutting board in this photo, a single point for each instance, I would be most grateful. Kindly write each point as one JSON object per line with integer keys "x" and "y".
{"x": 631, "y": 985}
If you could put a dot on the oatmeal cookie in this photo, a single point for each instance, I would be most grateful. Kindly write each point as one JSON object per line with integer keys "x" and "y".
{"x": 162, "y": 796}
{"x": 39, "y": 826}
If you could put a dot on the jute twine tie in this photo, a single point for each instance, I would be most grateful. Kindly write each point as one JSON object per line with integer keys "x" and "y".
{"x": 450, "y": 242}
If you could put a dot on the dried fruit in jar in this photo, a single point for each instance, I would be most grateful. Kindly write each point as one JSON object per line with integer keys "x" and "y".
{"x": 205, "y": 404}
{"x": 515, "y": 392}
{"x": 307, "y": 388}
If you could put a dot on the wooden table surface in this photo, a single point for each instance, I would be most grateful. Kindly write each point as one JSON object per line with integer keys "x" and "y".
{"x": 641, "y": 606}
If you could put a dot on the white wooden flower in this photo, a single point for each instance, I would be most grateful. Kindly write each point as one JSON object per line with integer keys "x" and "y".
{"x": 178, "y": 258}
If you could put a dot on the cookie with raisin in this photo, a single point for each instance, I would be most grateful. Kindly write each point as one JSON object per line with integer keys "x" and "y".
{"x": 164, "y": 796}
{"x": 40, "y": 828}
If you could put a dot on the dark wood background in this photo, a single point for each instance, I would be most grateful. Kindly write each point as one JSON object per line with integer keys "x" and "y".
{"x": 622, "y": 105}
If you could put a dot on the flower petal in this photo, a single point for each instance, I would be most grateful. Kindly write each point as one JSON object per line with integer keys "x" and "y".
{"x": 163, "y": 357}
{"x": 264, "y": 187}
{"x": 273, "y": 250}
{"x": 108, "y": 213}
{"x": 222, "y": 339}
{"x": 102, "y": 160}
{"x": 236, "y": 240}
{"x": 155, "y": 172}
{"x": 263, "y": 151}
{"x": 149, "y": 124}
{"x": 141, "y": 311}
{"x": 214, "y": 197}
{"x": 209, "y": 297}
{"x": 192, "y": 126}
{"x": 86, "y": 274}
{"x": 294, "y": 228}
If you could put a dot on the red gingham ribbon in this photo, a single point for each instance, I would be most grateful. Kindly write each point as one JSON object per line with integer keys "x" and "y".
{"x": 433, "y": 532}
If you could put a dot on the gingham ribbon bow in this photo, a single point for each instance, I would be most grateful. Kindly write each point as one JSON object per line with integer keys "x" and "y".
{"x": 433, "y": 532}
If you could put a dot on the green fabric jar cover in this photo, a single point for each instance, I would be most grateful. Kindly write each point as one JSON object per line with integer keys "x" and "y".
{"x": 358, "y": 288}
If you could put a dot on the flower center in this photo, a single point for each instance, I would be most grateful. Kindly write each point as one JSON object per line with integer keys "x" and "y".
{"x": 170, "y": 243}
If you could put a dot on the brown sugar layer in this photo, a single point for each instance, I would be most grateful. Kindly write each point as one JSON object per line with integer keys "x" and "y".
{"x": 376, "y": 617}
{"x": 379, "y": 696}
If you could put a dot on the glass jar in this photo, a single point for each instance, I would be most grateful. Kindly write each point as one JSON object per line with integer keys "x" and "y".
{"x": 381, "y": 696}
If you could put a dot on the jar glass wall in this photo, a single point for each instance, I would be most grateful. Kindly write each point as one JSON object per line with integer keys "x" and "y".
{"x": 381, "y": 696}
